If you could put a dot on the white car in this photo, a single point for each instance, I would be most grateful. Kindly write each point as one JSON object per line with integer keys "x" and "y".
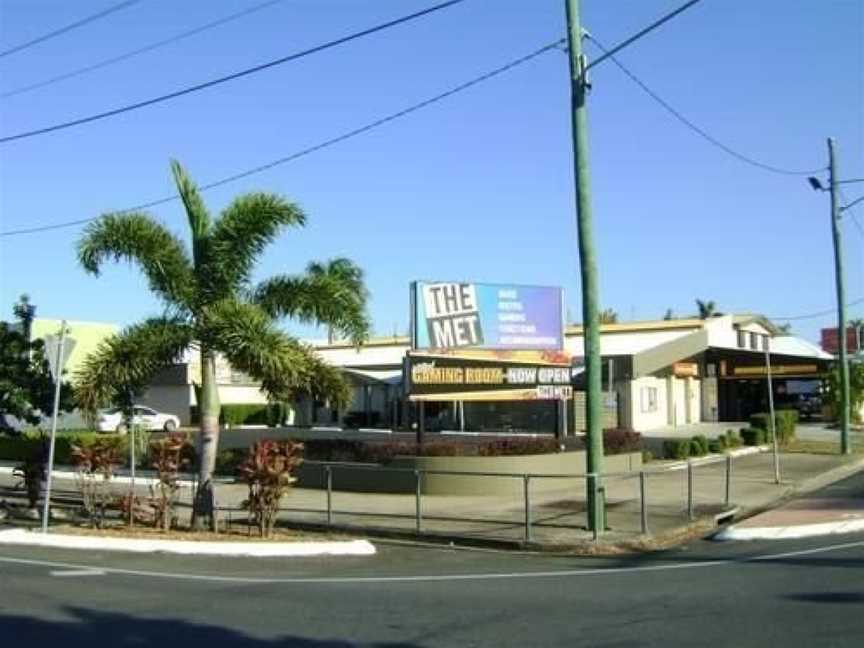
{"x": 113, "y": 420}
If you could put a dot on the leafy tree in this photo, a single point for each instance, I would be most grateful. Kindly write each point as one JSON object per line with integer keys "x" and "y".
{"x": 707, "y": 309}
{"x": 784, "y": 329}
{"x": 211, "y": 303}
{"x": 669, "y": 314}
{"x": 856, "y": 390}
{"x": 26, "y": 385}
{"x": 608, "y": 316}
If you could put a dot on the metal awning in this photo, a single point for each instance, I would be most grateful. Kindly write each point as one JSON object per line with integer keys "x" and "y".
{"x": 376, "y": 376}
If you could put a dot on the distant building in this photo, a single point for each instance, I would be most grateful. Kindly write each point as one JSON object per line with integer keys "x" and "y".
{"x": 664, "y": 373}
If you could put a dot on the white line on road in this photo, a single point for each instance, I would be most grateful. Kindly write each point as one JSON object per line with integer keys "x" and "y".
{"x": 602, "y": 571}
{"x": 78, "y": 572}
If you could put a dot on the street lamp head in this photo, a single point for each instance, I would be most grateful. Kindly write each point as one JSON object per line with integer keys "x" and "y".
{"x": 814, "y": 182}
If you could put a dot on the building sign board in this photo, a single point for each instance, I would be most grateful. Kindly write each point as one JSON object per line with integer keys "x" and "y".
{"x": 778, "y": 370}
{"x": 451, "y": 377}
{"x": 454, "y": 315}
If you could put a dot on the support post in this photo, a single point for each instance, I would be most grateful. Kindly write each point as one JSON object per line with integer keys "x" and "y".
{"x": 526, "y": 488}
{"x": 837, "y": 237}
{"x": 587, "y": 265}
{"x": 421, "y": 423}
{"x": 46, "y": 504}
{"x": 728, "y": 495}
{"x": 643, "y": 501}
{"x": 689, "y": 490}
{"x": 329, "y": 472}
{"x": 418, "y": 511}
{"x": 771, "y": 418}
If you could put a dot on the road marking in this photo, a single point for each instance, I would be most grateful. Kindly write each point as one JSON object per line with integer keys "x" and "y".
{"x": 78, "y": 572}
{"x": 571, "y": 573}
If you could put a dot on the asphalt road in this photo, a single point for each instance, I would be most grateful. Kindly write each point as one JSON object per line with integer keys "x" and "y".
{"x": 795, "y": 593}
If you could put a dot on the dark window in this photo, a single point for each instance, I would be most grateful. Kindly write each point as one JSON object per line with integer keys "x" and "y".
{"x": 765, "y": 343}
{"x": 754, "y": 341}
{"x": 742, "y": 340}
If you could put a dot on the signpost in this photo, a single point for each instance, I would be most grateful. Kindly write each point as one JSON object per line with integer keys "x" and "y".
{"x": 58, "y": 350}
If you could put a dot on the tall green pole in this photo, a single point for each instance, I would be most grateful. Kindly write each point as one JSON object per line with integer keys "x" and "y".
{"x": 588, "y": 270}
{"x": 841, "y": 298}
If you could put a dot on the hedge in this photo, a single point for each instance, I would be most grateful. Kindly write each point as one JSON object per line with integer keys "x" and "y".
{"x": 236, "y": 414}
{"x": 785, "y": 421}
{"x": 676, "y": 448}
{"x": 28, "y": 445}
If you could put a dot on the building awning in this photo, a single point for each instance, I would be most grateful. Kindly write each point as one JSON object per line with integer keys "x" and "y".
{"x": 376, "y": 376}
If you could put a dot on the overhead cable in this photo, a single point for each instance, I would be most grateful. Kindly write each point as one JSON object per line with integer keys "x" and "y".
{"x": 311, "y": 149}
{"x": 68, "y": 28}
{"x": 230, "y": 77}
{"x": 140, "y": 50}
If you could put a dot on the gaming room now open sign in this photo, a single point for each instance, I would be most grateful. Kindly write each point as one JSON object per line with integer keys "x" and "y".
{"x": 486, "y": 316}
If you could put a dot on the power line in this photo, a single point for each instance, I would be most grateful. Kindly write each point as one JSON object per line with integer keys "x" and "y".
{"x": 141, "y": 50}
{"x": 642, "y": 32}
{"x": 311, "y": 149}
{"x": 852, "y": 214}
{"x": 830, "y": 311}
{"x": 231, "y": 77}
{"x": 68, "y": 28}
{"x": 699, "y": 131}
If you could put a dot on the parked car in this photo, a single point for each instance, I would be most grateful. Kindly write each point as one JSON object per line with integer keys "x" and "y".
{"x": 113, "y": 420}
{"x": 809, "y": 405}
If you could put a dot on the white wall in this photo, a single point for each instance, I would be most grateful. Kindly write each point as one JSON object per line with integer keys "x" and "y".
{"x": 642, "y": 421}
{"x": 170, "y": 399}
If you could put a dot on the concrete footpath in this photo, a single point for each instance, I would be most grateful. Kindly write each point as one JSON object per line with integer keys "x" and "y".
{"x": 558, "y": 518}
{"x": 555, "y": 519}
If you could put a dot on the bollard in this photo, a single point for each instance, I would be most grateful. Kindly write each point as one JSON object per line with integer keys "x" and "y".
{"x": 689, "y": 489}
{"x": 643, "y": 503}
{"x": 329, "y": 471}
{"x": 418, "y": 513}
{"x": 526, "y": 484}
{"x": 728, "y": 496}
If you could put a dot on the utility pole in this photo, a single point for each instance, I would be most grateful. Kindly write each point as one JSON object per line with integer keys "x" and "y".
{"x": 579, "y": 87}
{"x": 841, "y": 297}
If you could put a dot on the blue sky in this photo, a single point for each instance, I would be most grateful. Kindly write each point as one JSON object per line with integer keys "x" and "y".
{"x": 478, "y": 187}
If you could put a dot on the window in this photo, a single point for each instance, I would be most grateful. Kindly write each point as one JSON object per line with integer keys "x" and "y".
{"x": 754, "y": 341}
{"x": 742, "y": 340}
{"x": 765, "y": 343}
{"x": 649, "y": 399}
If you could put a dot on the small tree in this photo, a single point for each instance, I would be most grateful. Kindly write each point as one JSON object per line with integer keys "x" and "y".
{"x": 707, "y": 309}
{"x": 96, "y": 462}
{"x": 169, "y": 455}
{"x": 856, "y": 390}
{"x": 609, "y": 316}
{"x": 268, "y": 472}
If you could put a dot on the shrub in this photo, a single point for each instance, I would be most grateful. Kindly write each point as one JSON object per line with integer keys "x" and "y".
{"x": 702, "y": 440}
{"x": 696, "y": 448}
{"x": 785, "y": 421}
{"x": 238, "y": 414}
{"x": 647, "y": 456}
{"x": 227, "y": 461}
{"x": 753, "y": 436}
{"x": 676, "y": 448}
{"x": 616, "y": 441}
{"x": 759, "y": 421}
{"x": 95, "y": 463}
{"x": 529, "y": 446}
{"x": 33, "y": 471}
{"x": 168, "y": 457}
{"x": 267, "y": 471}
{"x": 715, "y": 446}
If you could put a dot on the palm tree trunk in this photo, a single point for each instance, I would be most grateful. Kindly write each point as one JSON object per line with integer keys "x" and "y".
{"x": 208, "y": 443}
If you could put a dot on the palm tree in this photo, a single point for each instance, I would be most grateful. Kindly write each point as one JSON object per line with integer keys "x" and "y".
{"x": 212, "y": 306}
{"x": 706, "y": 309}
{"x": 609, "y": 316}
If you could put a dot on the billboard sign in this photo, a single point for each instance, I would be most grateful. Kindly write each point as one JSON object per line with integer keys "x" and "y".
{"x": 489, "y": 376}
{"x": 454, "y": 315}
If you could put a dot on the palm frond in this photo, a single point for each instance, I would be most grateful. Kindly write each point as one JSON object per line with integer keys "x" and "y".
{"x": 332, "y": 294}
{"x": 127, "y": 362}
{"x": 243, "y": 231}
{"x": 196, "y": 210}
{"x": 136, "y": 237}
{"x": 248, "y": 338}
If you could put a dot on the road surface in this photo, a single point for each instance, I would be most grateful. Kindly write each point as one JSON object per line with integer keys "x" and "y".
{"x": 784, "y": 594}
